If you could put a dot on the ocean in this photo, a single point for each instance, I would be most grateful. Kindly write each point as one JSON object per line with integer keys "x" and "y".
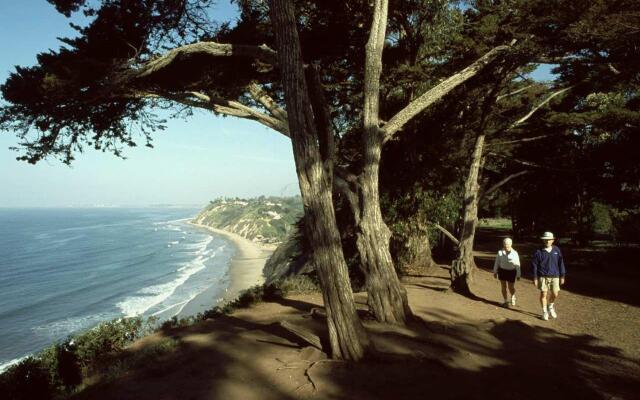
{"x": 65, "y": 270}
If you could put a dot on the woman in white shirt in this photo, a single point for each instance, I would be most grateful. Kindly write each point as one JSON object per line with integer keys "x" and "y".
{"x": 507, "y": 269}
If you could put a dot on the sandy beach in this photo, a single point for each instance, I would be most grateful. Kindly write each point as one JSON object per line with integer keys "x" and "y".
{"x": 245, "y": 271}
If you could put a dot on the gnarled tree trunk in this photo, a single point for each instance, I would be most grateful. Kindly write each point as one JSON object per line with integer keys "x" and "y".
{"x": 412, "y": 251}
{"x": 346, "y": 334}
{"x": 387, "y": 297}
{"x": 462, "y": 268}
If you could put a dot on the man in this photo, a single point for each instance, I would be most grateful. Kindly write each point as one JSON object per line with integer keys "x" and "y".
{"x": 507, "y": 269}
{"x": 548, "y": 274}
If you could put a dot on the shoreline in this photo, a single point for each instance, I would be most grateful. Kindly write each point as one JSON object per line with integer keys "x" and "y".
{"x": 245, "y": 271}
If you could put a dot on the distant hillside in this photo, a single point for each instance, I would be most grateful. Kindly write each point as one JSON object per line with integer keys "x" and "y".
{"x": 264, "y": 219}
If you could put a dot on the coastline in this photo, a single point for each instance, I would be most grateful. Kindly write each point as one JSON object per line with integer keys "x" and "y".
{"x": 245, "y": 271}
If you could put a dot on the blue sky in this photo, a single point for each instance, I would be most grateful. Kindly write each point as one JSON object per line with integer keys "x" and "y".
{"x": 193, "y": 161}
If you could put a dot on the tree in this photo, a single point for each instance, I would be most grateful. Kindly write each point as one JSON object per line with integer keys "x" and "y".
{"x": 346, "y": 333}
{"x": 121, "y": 85}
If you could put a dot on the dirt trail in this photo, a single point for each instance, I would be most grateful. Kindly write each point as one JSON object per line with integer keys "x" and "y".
{"x": 462, "y": 349}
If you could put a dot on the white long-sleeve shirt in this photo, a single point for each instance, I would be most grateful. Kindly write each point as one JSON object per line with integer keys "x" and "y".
{"x": 509, "y": 261}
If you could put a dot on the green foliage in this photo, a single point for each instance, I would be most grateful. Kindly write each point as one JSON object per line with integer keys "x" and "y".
{"x": 626, "y": 225}
{"x": 27, "y": 380}
{"x": 265, "y": 219}
{"x": 297, "y": 284}
{"x": 106, "y": 338}
{"x": 148, "y": 355}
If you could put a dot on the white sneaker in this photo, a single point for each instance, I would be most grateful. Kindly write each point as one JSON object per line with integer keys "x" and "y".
{"x": 545, "y": 316}
{"x": 553, "y": 313}
{"x": 513, "y": 300}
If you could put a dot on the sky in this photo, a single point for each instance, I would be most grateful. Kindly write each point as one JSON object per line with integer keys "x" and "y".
{"x": 192, "y": 162}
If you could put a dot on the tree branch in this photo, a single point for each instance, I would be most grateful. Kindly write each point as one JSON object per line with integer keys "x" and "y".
{"x": 530, "y": 139}
{"x": 514, "y": 92}
{"x": 446, "y": 233}
{"x": 263, "y": 98}
{"x": 502, "y": 182}
{"x": 539, "y": 106}
{"x": 322, "y": 116}
{"x": 439, "y": 91}
{"x": 262, "y": 52}
{"x": 226, "y": 107}
{"x": 373, "y": 69}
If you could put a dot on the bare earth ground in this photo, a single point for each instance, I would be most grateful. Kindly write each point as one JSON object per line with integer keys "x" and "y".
{"x": 462, "y": 349}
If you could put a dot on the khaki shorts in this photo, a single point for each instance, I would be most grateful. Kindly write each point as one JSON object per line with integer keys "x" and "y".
{"x": 546, "y": 282}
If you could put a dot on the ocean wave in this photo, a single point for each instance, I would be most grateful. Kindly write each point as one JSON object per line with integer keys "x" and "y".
{"x": 151, "y": 296}
{"x": 7, "y": 364}
{"x": 55, "y": 243}
{"x": 200, "y": 246}
{"x": 64, "y": 327}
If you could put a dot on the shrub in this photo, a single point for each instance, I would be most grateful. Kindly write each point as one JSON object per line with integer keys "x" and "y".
{"x": 27, "y": 380}
{"x": 62, "y": 364}
{"x": 142, "y": 358}
{"x": 626, "y": 225}
{"x": 175, "y": 322}
{"x": 248, "y": 297}
{"x": 296, "y": 284}
{"x": 106, "y": 338}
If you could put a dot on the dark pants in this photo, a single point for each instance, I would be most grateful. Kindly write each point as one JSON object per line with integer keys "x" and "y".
{"x": 507, "y": 275}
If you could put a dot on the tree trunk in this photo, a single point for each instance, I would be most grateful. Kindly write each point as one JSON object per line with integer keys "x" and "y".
{"x": 463, "y": 267}
{"x": 347, "y": 336}
{"x": 412, "y": 251}
{"x": 387, "y": 298}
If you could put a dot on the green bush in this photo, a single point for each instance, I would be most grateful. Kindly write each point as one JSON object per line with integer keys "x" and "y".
{"x": 142, "y": 358}
{"x": 27, "y": 380}
{"x": 248, "y": 297}
{"x": 175, "y": 322}
{"x": 106, "y": 338}
{"x": 62, "y": 364}
{"x": 626, "y": 225}
{"x": 296, "y": 284}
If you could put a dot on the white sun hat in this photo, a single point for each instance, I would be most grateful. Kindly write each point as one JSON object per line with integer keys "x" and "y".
{"x": 547, "y": 236}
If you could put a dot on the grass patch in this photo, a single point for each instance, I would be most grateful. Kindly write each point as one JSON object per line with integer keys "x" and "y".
{"x": 495, "y": 223}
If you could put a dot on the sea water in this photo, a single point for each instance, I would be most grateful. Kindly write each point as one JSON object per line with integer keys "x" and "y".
{"x": 65, "y": 270}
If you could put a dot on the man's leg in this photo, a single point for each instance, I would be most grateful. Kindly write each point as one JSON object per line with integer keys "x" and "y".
{"x": 503, "y": 285}
{"x": 543, "y": 303}
{"x": 555, "y": 291}
{"x": 512, "y": 290}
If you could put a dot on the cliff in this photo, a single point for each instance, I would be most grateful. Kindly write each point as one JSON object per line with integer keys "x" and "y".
{"x": 266, "y": 220}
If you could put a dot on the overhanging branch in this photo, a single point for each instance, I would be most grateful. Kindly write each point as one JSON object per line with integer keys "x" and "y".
{"x": 447, "y": 233}
{"x": 539, "y": 106}
{"x": 439, "y": 91}
{"x": 502, "y": 182}
{"x": 263, "y": 53}
{"x": 263, "y": 98}
{"x": 225, "y": 107}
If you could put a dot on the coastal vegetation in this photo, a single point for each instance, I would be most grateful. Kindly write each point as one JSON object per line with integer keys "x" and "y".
{"x": 65, "y": 368}
{"x": 263, "y": 219}
{"x": 405, "y": 118}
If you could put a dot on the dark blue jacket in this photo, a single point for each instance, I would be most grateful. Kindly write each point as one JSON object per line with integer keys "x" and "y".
{"x": 546, "y": 263}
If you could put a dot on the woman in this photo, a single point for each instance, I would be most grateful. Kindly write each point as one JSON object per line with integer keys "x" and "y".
{"x": 507, "y": 269}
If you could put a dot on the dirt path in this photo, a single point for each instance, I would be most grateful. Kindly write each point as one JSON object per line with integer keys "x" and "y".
{"x": 463, "y": 349}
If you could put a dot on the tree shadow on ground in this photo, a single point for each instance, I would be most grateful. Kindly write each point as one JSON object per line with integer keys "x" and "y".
{"x": 239, "y": 357}
{"x": 214, "y": 360}
{"x": 503, "y": 360}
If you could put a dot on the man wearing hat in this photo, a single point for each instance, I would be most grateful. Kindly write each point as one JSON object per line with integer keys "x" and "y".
{"x": 548, "y": 273}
